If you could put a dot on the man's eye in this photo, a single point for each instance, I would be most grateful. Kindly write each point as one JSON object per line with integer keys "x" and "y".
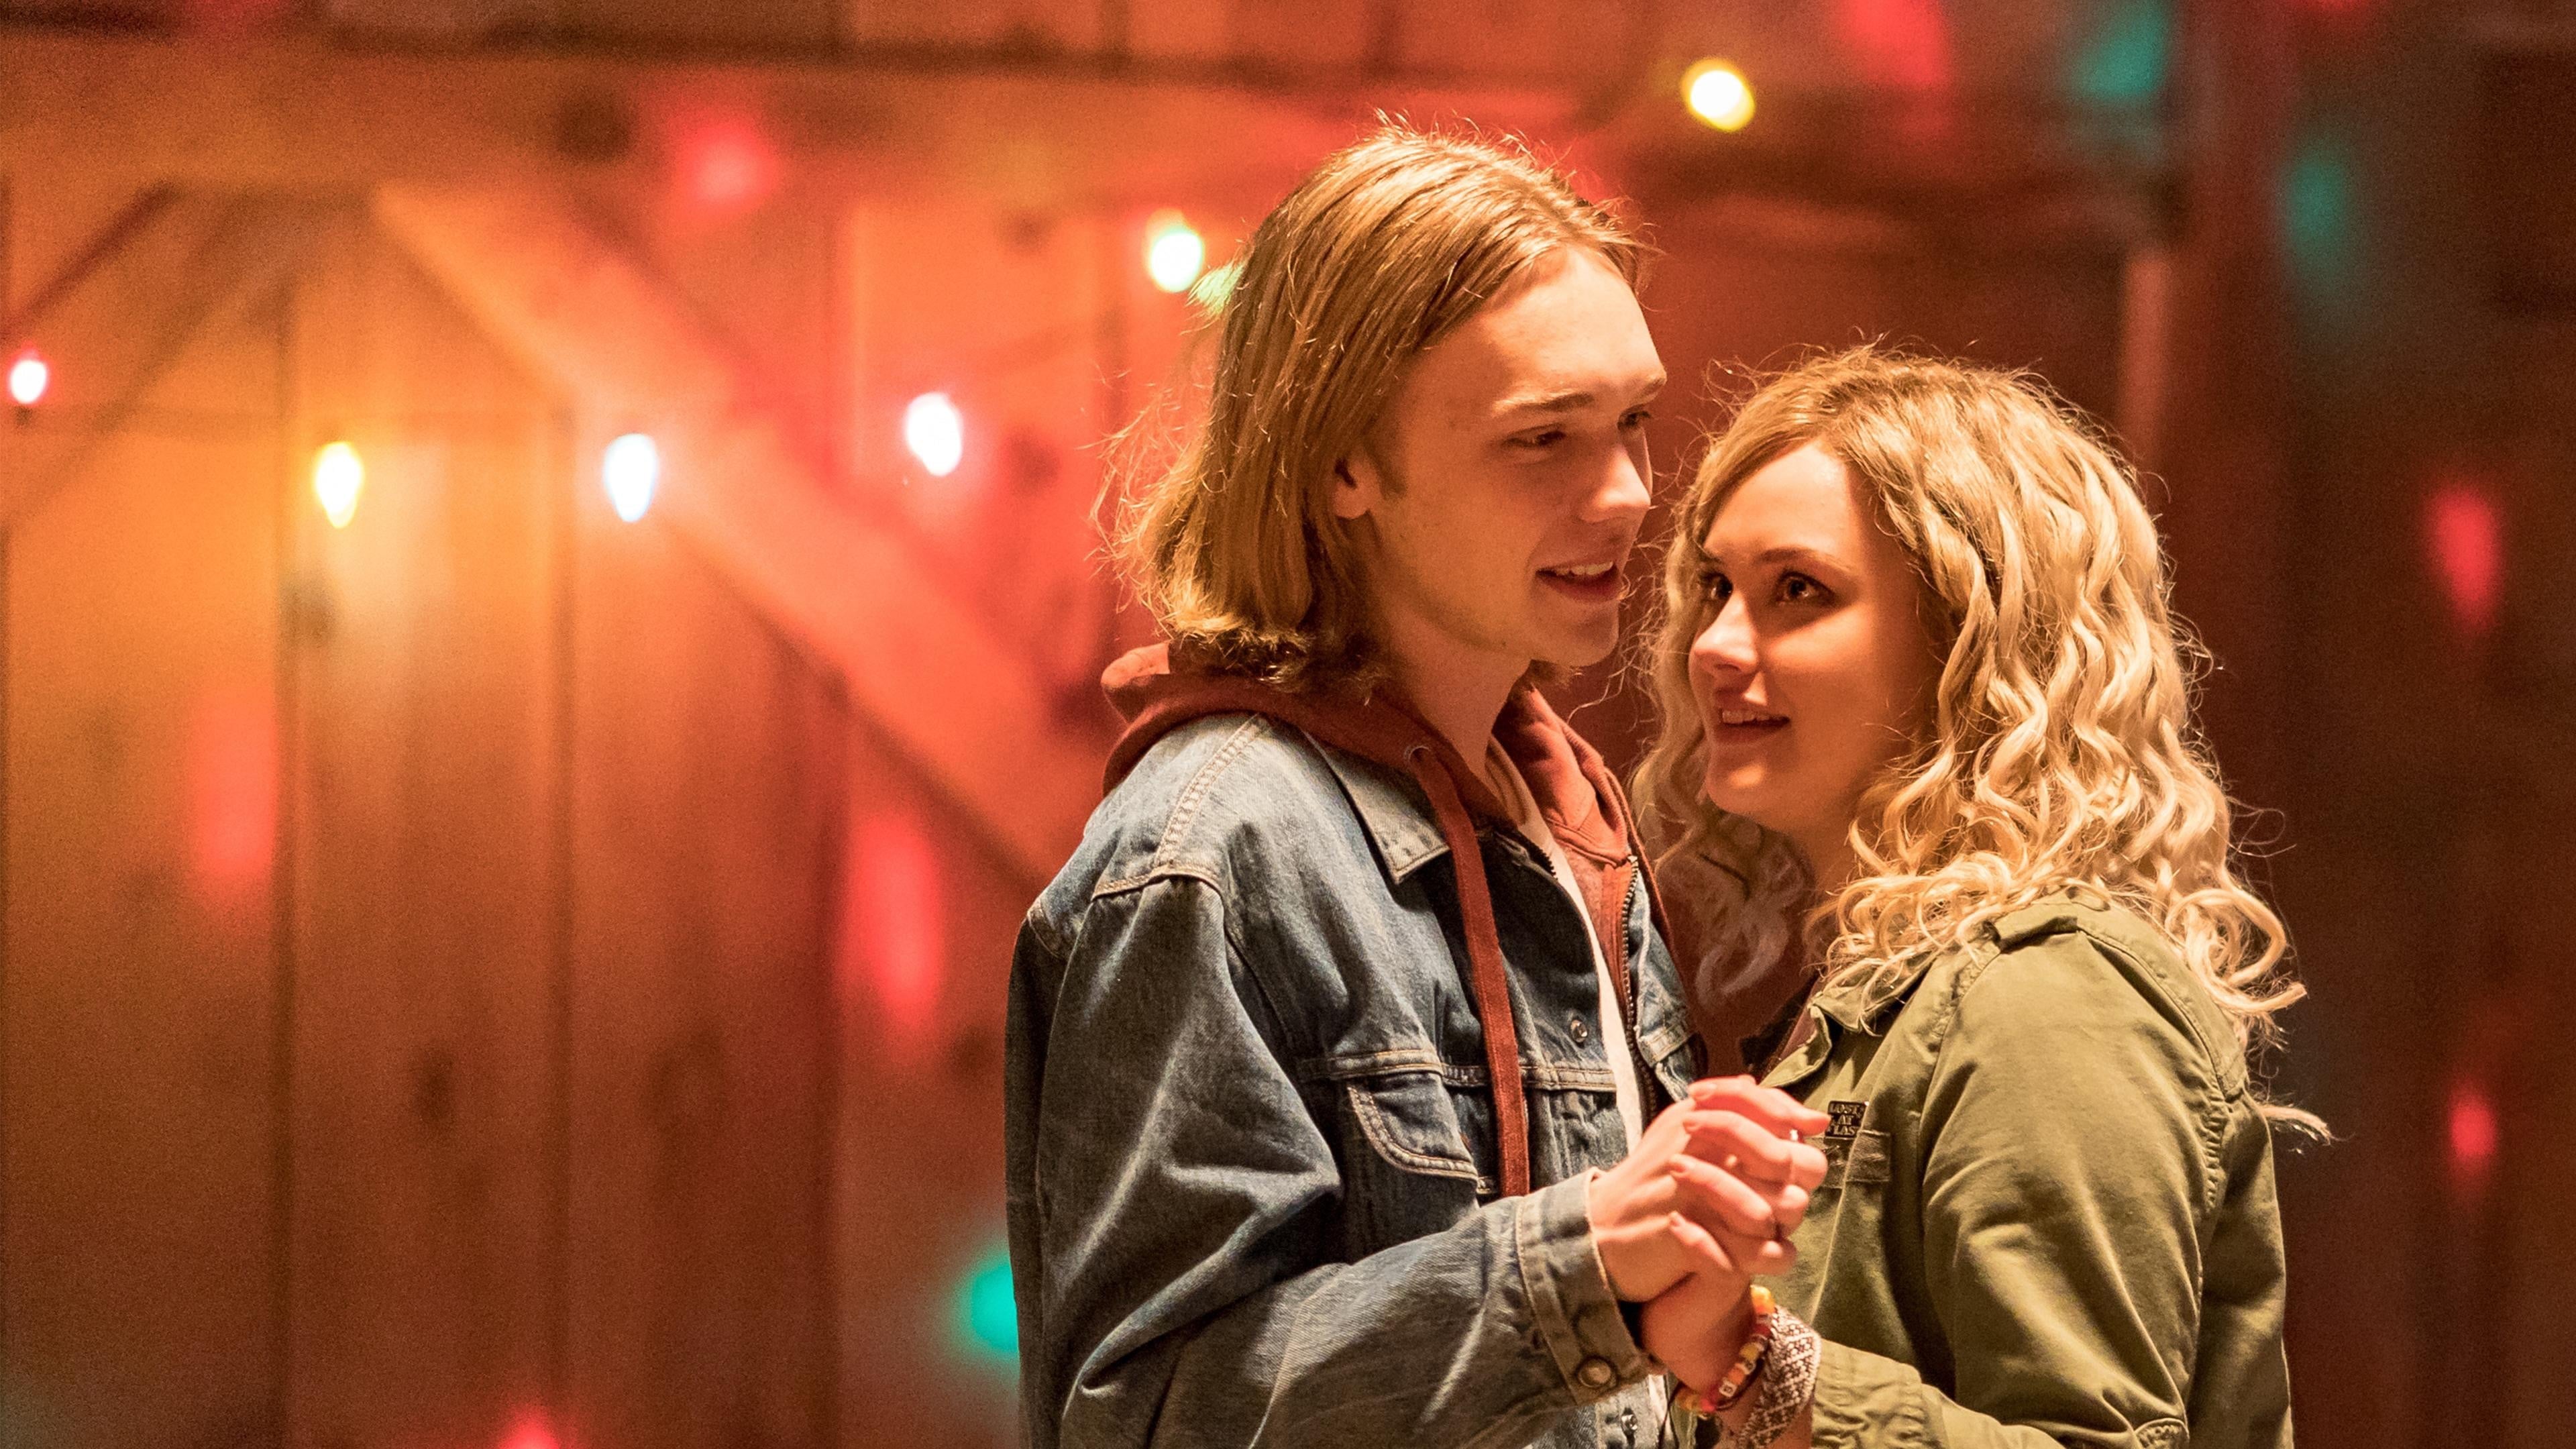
{"x": 1636, "y": 418}
{"x": 1544, "y": 438}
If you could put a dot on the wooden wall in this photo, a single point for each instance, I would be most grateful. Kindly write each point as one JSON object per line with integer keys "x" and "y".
{"x": 469, "y": 979}
{"x": 430, "y": 1009}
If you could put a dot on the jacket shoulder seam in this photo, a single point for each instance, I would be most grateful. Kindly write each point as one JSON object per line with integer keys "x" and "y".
{"x": 1194, "y": 796}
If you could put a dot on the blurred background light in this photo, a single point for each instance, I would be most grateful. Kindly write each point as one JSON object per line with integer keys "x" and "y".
{"x": 935, "y": 431}
{"x": 29, "y": 376}
{"x": 338, "y": 477}
{"x": 2465, "y": 537}
{"x": 531, "y": 1431}
{"x": 726, "y": 162}
{"x": 1174, "y": 251}
{"x": 2473, "y": 1136}
{"x": 2129, "y": 57}
{"x": 988, "y": 1316}
{"x": 630, "y": 468}
{"x": 1718, "y": 94}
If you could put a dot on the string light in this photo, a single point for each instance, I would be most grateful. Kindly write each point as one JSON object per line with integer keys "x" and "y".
{"x": 28, "y": 379}
{"x": 338, "y": 476}
{"x": 630, "y": 468}
{"x": 935, "y": 432}
{"x": 1174, "y": 252}
{"x": 1718, "y": 94}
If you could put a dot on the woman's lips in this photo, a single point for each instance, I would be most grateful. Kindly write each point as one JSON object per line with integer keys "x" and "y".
{"x": 1736, "y": 724}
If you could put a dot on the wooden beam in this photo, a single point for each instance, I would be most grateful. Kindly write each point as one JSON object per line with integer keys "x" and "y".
{"x": 299, "y": 112}
{"x": 955, "y": 699}
{"x": 119, "y": 315}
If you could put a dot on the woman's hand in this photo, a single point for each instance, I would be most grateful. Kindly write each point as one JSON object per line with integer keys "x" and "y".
{"x": 1696, "y": 1327}
{"x": 1723, "y": 1162}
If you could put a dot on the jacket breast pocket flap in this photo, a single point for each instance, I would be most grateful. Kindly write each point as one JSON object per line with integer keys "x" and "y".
{"x": 1411, "y": 1120}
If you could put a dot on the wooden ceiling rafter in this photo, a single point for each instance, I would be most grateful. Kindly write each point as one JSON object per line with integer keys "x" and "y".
{"x": 117, "y": 317}
{"x": 924, "y": 672}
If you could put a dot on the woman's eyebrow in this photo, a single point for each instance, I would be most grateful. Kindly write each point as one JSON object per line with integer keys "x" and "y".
{"x": 1780, "y": 553}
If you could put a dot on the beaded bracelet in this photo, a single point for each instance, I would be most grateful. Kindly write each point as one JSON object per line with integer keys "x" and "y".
{"x": 1749, "y": 1359}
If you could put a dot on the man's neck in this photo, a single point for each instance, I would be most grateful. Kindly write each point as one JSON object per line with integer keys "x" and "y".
{"x": 1460, "y": 695}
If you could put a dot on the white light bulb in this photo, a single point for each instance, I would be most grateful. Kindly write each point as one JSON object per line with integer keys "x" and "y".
{"x": 338, "y": 476}
{"x": 28, "y": 377}
{"x": 630, "y": 469}
{"x": 1174, "y": 252}
{"x": 935, "y": 432}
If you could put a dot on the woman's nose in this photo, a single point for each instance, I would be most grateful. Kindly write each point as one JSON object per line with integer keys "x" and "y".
{"x": 1726, "y": 646}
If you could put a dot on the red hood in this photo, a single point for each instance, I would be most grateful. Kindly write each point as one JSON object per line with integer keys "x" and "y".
{"x": 1571, "y": 783}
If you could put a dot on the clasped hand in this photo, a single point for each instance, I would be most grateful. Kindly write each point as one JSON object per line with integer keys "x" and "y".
{"x": 1704, "y": 1205}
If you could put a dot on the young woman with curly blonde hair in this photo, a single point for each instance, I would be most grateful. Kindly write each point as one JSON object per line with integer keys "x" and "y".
{"x": 1960, "y": 869}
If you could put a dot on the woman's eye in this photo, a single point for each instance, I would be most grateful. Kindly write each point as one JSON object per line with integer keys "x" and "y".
{"x": 1799, "y": 589}
{"x": 1716, "y": 587}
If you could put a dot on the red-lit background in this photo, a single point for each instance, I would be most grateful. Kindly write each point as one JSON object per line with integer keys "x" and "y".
{"x": 502, "y": 941}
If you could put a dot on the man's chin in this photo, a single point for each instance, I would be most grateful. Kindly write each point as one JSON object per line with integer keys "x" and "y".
{"x": 1575, "y": 652}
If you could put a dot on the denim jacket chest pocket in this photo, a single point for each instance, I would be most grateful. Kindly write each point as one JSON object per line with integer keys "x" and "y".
{"x": 1414, "y": 1141}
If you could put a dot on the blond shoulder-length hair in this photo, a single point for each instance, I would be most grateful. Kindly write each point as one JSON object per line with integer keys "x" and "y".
{"x": 2060, "y": 754}
{"x": 1386, "y": 248}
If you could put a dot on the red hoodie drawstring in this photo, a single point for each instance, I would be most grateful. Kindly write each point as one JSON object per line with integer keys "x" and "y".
{"x": 1486, "y": 978}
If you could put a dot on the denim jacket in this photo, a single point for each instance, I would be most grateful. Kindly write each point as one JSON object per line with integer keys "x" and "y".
{"x": 1253, "y": 1186}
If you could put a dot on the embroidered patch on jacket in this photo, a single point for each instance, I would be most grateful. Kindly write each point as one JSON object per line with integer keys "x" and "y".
{"x": 1846, "y": 1120}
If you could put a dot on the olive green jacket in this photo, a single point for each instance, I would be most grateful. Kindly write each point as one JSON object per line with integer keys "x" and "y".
{"x": 2049, "y": 1215}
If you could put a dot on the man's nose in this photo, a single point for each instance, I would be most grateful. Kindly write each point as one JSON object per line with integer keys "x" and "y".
{"x": 1621, "y": 492}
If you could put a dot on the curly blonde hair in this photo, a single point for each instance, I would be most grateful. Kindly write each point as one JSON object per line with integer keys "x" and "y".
{"x": 2060, "y": 755}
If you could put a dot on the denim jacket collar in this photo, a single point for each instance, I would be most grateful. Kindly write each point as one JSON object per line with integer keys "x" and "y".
{"x": 1392, "y": 810}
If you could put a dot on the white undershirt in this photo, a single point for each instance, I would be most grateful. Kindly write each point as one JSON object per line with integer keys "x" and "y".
{"x": 1614, "y": 1020}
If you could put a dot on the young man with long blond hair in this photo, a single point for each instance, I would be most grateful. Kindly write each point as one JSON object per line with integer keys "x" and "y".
{"x": 1351, "y": 1092}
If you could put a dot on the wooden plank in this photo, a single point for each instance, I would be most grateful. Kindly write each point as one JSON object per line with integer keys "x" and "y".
{"x": 1037, "y": 27}
{"x": 300, "y": 114}
{"x": 853, "y": 592}
{"x": 141, "y": 1289}
{"x": 707, "y": 781}
{"x": 927, "y": 916}
{"x": 425, "y": 1287}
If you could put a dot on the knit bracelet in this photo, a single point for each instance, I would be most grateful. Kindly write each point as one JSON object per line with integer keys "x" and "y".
{"x": 1788, "y": 1383}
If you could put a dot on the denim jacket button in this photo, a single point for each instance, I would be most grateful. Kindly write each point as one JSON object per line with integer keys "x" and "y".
{"x": 1595, "y": 1373}
{"x": 1574, "y": 1027}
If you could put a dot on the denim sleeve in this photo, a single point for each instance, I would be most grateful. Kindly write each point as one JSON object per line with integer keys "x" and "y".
{"x": 1181, "y": 1192}
{"x": 2067, "y": 1133}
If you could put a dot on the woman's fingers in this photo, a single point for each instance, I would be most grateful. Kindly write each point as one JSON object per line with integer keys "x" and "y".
{"x": 1719, "y": 1199}
{"x": 1776, "y": 1110}
{"x": 1716, "y": 1134}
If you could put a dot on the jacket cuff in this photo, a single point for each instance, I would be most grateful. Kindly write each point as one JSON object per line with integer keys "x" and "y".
{"x": 1577, "y": 1314}
{"x": 1864, "y": 1401}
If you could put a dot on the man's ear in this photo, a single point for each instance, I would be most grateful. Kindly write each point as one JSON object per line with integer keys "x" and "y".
{"x": 1357, "y": 486}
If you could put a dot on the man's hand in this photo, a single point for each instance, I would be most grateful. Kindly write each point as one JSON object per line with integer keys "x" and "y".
{"x": 1722, "y": 1162}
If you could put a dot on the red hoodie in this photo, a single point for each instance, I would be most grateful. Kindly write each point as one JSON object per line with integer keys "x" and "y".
{"x": 1575, "y": 791}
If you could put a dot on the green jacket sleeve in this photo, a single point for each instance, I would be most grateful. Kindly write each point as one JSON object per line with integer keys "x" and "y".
{"x": 2070, "y": 1135}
